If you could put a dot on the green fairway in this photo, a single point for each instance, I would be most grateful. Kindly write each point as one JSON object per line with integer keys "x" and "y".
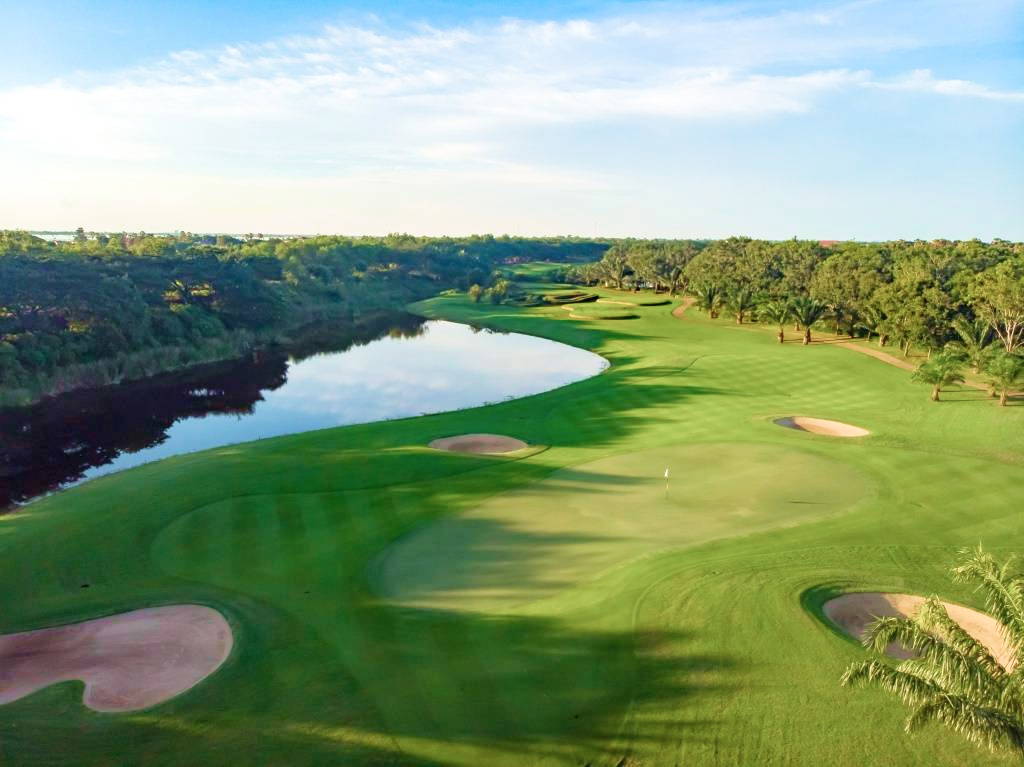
{"x": 394, "y": 604}
{"x": 579, "y": 522}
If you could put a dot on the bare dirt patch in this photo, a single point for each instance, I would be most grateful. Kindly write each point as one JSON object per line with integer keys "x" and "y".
{"x": 479, "y": 443}
{"x": 128, "y": 662}
{"x": 878, "y": 354}
{"x": 822, "y": 426}
{"x": 854, "y": 612}
{"x": 680, "y": 310}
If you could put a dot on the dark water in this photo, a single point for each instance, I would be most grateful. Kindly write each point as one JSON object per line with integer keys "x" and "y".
{"x": 388, "y": 367}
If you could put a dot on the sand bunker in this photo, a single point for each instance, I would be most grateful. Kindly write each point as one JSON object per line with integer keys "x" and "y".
{"x": 128, "y": 662}
{"x": 479, "y": 443}
{"x": 822, "y": 426}
{"x": 854, "y": 612}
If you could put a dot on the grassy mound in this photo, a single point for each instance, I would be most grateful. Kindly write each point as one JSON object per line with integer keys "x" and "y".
{"x": 602, "y": 312}
{"x": 524, "y": 300}
{"x": 570, "y": 297}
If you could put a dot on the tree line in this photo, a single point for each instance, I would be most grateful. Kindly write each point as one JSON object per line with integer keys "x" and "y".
{"x": 961, "y": 302}
{"x": 103, "y": 308}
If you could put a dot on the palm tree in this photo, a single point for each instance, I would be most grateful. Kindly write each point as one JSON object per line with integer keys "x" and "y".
{"x": 806, "y": 311}
{"x": 741, "y": 302}
{"x": 778, "y": 313}
{"x": 942, "y": 370}
{"x": 975, "y": 337}
{"x": 1004, "y": 372}
{"x": 709, "y": 298}
{"x": 954, "y": 679}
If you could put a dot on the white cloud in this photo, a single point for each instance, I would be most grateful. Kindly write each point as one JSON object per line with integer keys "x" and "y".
{"x": 923, "y": 81}
{"x": 405, "y": 109}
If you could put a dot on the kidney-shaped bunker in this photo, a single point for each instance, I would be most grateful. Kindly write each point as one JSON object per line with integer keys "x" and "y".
{"x": 128, "y": 662}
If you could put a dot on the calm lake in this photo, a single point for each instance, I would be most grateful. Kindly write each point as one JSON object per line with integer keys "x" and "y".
{"x": 392, "y": 367}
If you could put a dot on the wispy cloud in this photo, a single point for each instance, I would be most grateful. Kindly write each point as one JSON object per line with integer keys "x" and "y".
{"x": 923, "y": 81}
{"x": 468, "y": 103}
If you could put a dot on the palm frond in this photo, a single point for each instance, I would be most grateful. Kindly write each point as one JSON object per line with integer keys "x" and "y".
{"x": 974, "y": 334}
{"x": 982, "y": 725}
{"x": 1004, "y": 597}
{"x": 936, "y": 661}
{"x": 954, "y": 679}
{"x": 933, "y": 617}
{"x": 910, "y": 688}
{"x": 807, "y": 311}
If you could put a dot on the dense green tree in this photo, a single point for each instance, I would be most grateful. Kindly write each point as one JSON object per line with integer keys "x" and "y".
{"x": 792, "y": 267}
{"x": 874, "y": 322}
{"x": 997, "y": 295}
{"x": 908, "y": 292}
{"x": 500, "y": 290}
{"x": 729, "y": 264}
{"x": 676, "y": 256}
{"x": 616, "y": 262}
{"x": 846, "y": 281}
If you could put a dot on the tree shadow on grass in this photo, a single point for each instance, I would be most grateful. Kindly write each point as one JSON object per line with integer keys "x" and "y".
{"x": 469, "y": 563}
{"x": 529, "y": 685}
{"x": 964, "y": 394}
{"x": 397, "y": 687}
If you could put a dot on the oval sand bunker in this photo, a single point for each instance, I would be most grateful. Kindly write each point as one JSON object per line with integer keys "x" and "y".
{"x": 128, "y": 662}
{"x": 479, "y": 443}
{"x": 822, "y": 426}
{"x": 854, "y": 612}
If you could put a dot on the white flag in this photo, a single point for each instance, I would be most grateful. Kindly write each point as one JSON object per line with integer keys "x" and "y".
{"x": 666, "y": 473}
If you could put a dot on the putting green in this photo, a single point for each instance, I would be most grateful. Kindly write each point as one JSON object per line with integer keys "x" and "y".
{"x": 531, "y": 543}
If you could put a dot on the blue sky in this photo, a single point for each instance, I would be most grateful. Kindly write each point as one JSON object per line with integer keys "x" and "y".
{"x": 863, "y": 118}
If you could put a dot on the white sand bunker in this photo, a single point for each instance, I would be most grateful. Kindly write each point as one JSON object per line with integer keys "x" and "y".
{"x": 479, "y": 443}
{"x": 822, "y": 426}
{"x": 854, "y": 612}
{"x": 128, "y": 662}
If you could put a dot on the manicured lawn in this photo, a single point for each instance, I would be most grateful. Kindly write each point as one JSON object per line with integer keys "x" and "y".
{"x": 399, "y": 605}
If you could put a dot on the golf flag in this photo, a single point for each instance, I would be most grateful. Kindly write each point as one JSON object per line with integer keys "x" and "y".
{"x": 666, "y": 473}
